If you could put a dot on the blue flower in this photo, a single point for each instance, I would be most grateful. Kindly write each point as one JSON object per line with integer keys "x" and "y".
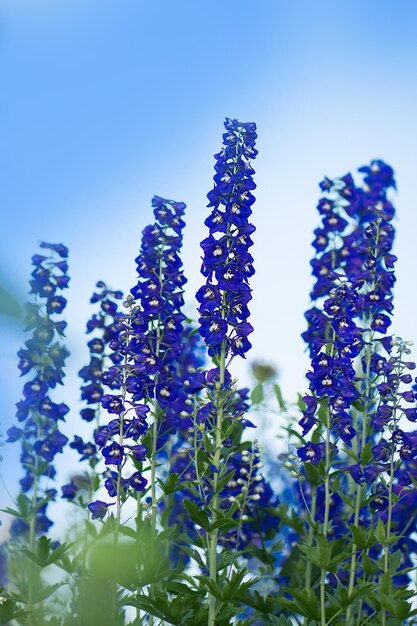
{"x": 43, "y": 357}
{"x": 98, "y": 509}
{"x": 227, "y": 264}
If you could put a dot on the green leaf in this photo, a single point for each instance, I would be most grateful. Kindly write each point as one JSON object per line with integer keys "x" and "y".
{"x": 387, "y": 602}
{"x": 325, "y": 550}
{"x": 367, "y": 454}
{"x": 24, "y": 504}
{"x": 10, "y": 610}
{"x": 300, "y": 402}
{"x": 279, "y": 621}
{"x": 197, "y": 515}
{"x": 380, "y": 532}
{"x": 170, "y": 485}
{"x": 369, "y": 566}
{"x": 394, "y": 562}
{"x": 194, "y": 554}
{"x": 224, "y": 524}
{"x": 312, "y": 474}
{"x": 316, "y": 436}
{"x": 46, "y": 592}
{"x": 257, "y": 394}
{"x": 158, "y": 608}
{"x": 212, "y": 587}
{"x": 359, "y": 536}
{"x": 236, "y": 585}
{"x": 306, "y": 601}
{"x": 279, "y": 396}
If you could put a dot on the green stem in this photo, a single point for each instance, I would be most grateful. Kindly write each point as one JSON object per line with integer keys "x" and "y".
{"x": 358, "y": 499}
{"x": 152, "y": 587}
{"x": 388, "y": 532}
{"x": 32, "y": 533}
{"x": 325, "y": 521}
{"x": 119, "y": 483}
{"x": 242, "y": 508}
{"x": 310, "y": 536}
{"x": 213, "y": 536}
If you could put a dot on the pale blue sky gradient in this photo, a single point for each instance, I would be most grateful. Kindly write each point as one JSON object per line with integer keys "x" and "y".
{"x": 105, "y": 104}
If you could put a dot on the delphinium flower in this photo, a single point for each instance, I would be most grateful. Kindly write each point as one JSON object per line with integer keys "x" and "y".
{"x": 339, "y": 330}
{"x": 252, "y": 495}
{"x": 390, "y": 473}
{"x": 159, "y": 293}
{"x": 43, "y": 356}
{"x": 223, "y": 300}
{"x": 346, "y": 335}
{"x": 102, "y": 329}
{"x": 190, "y": 370}
{"x": 247, "y": 490}
{"x": 346, "y": 211}
{"x": 227, "y": 263}
{"x": 348, "y": 260}
{"x": 148, "y": 342}
{"x": 39, "y": 417}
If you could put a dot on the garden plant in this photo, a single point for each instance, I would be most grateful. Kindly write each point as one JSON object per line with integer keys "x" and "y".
{"x": 175, "y": 513}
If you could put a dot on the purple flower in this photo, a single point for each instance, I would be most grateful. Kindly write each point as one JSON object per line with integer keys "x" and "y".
{"x": 113, "y": 454}
{"x": 98, "y": 509}
{"x": 312, "y": 452}
{"x": 138, "y": 482}
{"x": 69, "y": 491}
{"x": 227, "y": 264}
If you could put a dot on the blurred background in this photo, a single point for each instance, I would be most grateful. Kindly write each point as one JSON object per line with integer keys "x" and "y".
{"x": 104, "y": 104}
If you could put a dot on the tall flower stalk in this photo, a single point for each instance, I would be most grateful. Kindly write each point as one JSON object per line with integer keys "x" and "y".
{"x": 148, "y": 345}
{"x": 227, "y": 266}
{"x": 348, "y": 403}
{"x": 41, "y": 439}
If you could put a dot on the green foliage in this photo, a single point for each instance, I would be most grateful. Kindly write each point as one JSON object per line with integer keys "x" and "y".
{"x": 278, "y": 394}
{"x": 257, "y": 394}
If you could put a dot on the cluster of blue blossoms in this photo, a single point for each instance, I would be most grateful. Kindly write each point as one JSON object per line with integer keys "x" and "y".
{"x": 174, "y": 436}
{"x": 357, "y": 370}
{"x": 103, "y": 325}
{"x": 146, "y": 350}
{"x": 354, "y": 276}
{"x": 227, "y": 263}
{"x": 44, "y": 357}
{"x": 223, "y": 306}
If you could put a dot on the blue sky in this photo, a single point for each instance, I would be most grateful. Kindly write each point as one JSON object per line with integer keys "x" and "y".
{"x": 105, "y": 104}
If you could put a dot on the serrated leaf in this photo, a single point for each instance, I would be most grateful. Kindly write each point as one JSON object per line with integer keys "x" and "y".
{"x": 279, "y": 621}
{"x": 171, "y": 484}
{"x": 359, "y": 536}
{"x": 197, "y": 515}
{"x": 380, "y": 531}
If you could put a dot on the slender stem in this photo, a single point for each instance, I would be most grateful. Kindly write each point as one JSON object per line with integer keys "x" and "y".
{"x": 213, "y": 537}
{"x": 155, "y": 428}
{"x": 358, "y": 499}
{"x": 32, "y": 529}
{"x": 310, "y": 536}
{"x": 391, "y": 477}
{"x": 326, "y": 520}
{"x": 389, "y": 520}
{"x": 119, "y": 479}
{"x": 242, "y": 509}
